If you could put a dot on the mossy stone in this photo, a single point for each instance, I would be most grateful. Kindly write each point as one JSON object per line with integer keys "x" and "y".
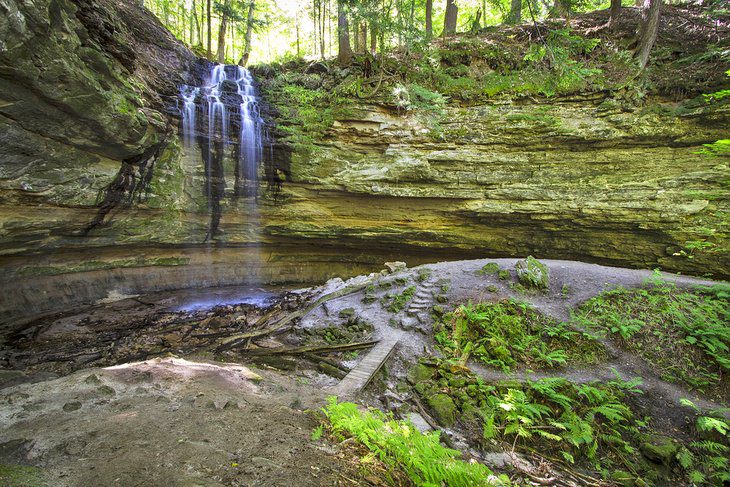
{"x": 659, "y": 448}
{"x": 421, "y": 373}
{"x": 532, "y": 273}
{"x": 490, "y": 268}
{"x": 347, "y": 313}
{"x": 503, "y": 275}
{"x": 443, "y": 408}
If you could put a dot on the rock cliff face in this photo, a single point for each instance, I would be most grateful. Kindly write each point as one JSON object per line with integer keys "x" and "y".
{"x": 84, "y": 87}
{"x": 95, "y": 186}
{"x": 569, "y": 179}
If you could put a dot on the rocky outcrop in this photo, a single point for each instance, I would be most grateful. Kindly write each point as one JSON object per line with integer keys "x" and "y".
{"x": 582, "y": 180}
{"x": 84, "y": 86}
{"x": 90, "y": 159}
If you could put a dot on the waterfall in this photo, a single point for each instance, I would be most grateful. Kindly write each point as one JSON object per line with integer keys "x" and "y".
{"x": 251, "y": 144}
{"x": 222, "y": 116}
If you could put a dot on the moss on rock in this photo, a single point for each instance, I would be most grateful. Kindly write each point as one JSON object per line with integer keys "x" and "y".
{"x": 532, "y": 273}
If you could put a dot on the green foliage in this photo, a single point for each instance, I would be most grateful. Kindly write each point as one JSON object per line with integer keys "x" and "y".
{"x": 706, "y": 461}
{"x": 21, "y": 476}
{"x": 508, "y": 333}
{"x": 399, "y": 445}
{"x": 395, "y": 302}
{"x": 684, "y": 333}
{"x": 717, "y": 148}
{"x": 587, "y": 421}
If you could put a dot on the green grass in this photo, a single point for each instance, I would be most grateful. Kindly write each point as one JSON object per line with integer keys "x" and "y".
{"x": 683, "y": 333}
{"x": 510, "y": 333}
{"x": 400, "y": 446}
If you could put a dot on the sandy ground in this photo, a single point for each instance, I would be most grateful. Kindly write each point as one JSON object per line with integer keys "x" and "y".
{"x": 185, "y": 422}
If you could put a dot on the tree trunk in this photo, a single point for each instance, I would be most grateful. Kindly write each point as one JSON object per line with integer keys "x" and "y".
{"x": 429, "y": 19}
{"x": 615, "y": 12}
{"x": 363, "y": 35}
{"x": 210, "y": 49}
{"x": 450, "y": 17}
{"x": 648, "y": 30}
{"x": 249, "y": 33}
{"x": 192, "y": 24}
{"x": 197, "y": 23}
{"x": 344, "y": 53}
{"x": 373, "y": 40}
{"x": 222, "y": 33}
{"x": 515, "y": 12}
{"x": 356, "y": 37}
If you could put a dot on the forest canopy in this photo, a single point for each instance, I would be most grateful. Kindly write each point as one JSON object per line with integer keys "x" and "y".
{"x": 256, "y": 31}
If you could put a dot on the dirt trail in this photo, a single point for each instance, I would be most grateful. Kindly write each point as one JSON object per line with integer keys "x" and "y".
{"x": 167, "y": 422}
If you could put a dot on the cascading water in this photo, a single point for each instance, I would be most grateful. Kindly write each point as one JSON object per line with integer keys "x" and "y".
{"x": 222, "y": 117}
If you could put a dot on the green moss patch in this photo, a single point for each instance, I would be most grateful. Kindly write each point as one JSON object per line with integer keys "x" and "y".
{"x": 683, "y": 333}
{"x": 21, "y": 476}
{"x": 510, "y": 333}
{"x": 94, "y": 265}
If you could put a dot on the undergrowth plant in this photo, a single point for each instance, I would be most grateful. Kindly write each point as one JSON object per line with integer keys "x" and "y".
{"x": 706, "y": 460}
{"x": 508, "y": 333}
{"x": 583, "y": 423}
{"x": 685, "y": 333}
{"x": 395, "y": 302}
{"x": 401, "y": 446}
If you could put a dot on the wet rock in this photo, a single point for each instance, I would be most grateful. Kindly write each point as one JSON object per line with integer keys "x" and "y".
{"x": 420, "y": 423}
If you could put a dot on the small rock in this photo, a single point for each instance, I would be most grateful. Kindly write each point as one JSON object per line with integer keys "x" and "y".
{"x": 396, "y": 266}
{"x": 106, "y": 391}
{"x": 72, "y": 406}
{"x": 420, "y": 423}
{"x": 347, "y": 313}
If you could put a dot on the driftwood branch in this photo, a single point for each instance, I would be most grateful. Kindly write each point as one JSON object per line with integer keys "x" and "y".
{"x": 309, "y": 349}
{"x": 235, "y": 340}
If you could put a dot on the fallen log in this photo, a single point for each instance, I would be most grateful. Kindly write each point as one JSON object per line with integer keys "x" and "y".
{"x": 309, "y": 349}
{"x": 280, "y": 325}
{"x": 318, "y": 358}
{"x": 330, "y": 370}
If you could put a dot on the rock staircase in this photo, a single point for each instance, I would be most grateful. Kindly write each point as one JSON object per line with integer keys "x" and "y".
{"x": 422, "y": 301}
